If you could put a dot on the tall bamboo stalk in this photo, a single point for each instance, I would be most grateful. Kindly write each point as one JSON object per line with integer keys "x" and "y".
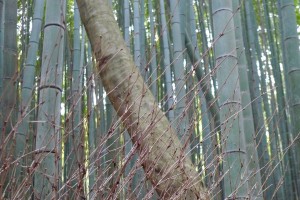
{"x": 48, "y": 140}
{"x": 233, "y": 138}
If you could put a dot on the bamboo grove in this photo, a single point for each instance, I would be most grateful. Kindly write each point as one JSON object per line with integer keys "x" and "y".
{"x": 144, "y": 99}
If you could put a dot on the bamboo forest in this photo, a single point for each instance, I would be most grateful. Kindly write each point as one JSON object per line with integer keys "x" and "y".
{"x": 150, "y": 99}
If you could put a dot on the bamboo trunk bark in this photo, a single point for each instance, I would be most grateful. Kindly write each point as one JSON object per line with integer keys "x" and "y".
{"x": 161, "y": 154}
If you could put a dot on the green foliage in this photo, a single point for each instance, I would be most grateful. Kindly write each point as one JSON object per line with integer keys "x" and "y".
{"x": 297, "y": 13}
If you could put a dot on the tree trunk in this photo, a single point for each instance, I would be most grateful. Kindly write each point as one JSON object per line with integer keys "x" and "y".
{"x": 48, "y": 150}
{"x": 172, "y": 174}
{"x": 232, "y": 132}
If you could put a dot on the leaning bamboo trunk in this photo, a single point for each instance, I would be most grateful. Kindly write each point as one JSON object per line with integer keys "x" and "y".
{"x": 171, "y": 173}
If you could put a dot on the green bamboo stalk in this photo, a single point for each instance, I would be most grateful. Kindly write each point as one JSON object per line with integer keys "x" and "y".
{"x": 210, "y": 147}
{"x": 1, "y": 55}
{"x": 166, "y": 63}
{"x": 290, "y": 158}
{"x": 291, "y": 51}
{"x": 275, "y": 149}
{"x": 75, "y": 152}
{"x": 137, "y": 42}
{"x": 47, "y": 174}
{"x": 181, "y": 122}
{"x": 27, "y": 89}
{"x": 212, "y": 104}
{"x": 91, "y": 122}
{"x": 9, "y": 93}
{"x": 256, "y": 97}
{"x": 248, "y": 124}
{"x": 282, "y": 119}
{"x": 8, "y": 96}
{"x": 233, "y": 138}
{"x": 112, "y": 145}
{"x": 153, "y": 60}
{"x": 142, "y": 34}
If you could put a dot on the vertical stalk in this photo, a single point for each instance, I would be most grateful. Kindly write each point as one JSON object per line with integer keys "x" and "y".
{"x": 48, "y": 140}
{"x": 233, "y": 138}
{"x": 28, "y": 82}
{"x": 248, "y": 124}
